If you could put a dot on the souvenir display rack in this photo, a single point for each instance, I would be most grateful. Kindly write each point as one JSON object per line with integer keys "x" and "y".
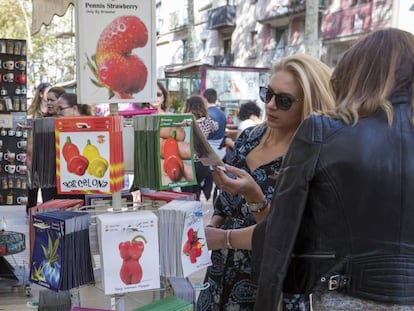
{"x": 13, "y": 149}
{"x": 13, "y": 135}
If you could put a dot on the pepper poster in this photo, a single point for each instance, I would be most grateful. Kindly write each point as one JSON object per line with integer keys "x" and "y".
{"x": 115, "y": 51}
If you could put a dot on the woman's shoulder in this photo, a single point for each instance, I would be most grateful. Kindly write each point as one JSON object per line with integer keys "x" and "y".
{"x": 317, "y": 127}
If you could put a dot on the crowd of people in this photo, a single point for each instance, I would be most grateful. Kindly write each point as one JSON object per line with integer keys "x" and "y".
{"x": 314, "y": 206}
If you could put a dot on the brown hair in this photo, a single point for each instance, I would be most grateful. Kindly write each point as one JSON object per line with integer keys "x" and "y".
{"x": 35, "y": 110}
{"x": 371, "y": 71}
{"x": 72, "y": 100}
{"x": 195, "y": 105}
{"x": 57, "y": 90}
{"x": 164, "y": 104}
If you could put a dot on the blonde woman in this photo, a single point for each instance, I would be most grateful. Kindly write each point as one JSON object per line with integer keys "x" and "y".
{"x": 298, "y": 87}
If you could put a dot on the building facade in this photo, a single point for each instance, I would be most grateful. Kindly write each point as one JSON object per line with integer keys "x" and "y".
{"x": 248, "y": 34}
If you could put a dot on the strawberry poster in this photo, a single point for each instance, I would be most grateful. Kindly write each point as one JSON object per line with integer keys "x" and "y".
{"x": 116, "y": 51}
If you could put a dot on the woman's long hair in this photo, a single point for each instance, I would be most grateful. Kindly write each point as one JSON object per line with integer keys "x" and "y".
{"x": 378, "y": 66}
{"x": 35, "y": 109}
{"x": 195, "y": 104}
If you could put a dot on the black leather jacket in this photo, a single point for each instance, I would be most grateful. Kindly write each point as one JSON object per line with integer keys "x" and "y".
{"x": 344, "y": 209}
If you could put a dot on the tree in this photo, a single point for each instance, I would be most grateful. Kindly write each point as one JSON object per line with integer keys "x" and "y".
{"x": 312, "y": 28}
{"x": 50, "y": 57}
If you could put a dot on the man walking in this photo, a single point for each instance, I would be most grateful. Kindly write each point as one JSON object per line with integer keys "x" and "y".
{"x": 214, "y": 138}
{"x": 217, "y": 115}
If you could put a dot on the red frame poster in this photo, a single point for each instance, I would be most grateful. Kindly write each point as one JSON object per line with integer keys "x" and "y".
{"x": 116, "y": 51}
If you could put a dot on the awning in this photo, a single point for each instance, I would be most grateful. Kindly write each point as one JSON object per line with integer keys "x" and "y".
{"x": 44, "y": 10}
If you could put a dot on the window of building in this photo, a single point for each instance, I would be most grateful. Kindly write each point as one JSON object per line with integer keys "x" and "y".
{"x": 159, "y": 20}
{"x": 253, "y": 37}
{"x": 227, "y": 46}
{"x": 227, "y": 51}
{"x": 279, "y": 37}
{"x": 204, "y": 44}
{"x": 185, "y": 50}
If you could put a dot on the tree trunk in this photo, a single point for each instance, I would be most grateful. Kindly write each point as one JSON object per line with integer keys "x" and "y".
{"x": 190, "y": 13}
{"x": 312, "y": 28}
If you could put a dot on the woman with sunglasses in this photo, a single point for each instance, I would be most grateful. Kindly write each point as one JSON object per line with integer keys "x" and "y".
{"x": 299, "y": 86}
{"x": 68, "y": 106}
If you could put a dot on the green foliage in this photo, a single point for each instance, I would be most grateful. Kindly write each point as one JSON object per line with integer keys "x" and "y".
{"x": 49, "y": 57}
{"x": 12, "y": 22}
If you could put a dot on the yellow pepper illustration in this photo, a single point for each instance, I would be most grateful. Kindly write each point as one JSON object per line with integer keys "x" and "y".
{"x": 97, "y": 164}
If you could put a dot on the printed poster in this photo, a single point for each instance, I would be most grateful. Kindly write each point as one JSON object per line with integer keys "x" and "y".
{"x": 194, "y": 255}
{"x": 175, "y": 151}
{"x": 116, "y": 51}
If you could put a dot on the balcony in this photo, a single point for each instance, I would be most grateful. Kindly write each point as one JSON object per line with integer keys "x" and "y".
{"x": 224, "y": 60}
{"x": 353, "y": 20}
{"x": 222, "y": 17}
{"x": 268, "y": 10}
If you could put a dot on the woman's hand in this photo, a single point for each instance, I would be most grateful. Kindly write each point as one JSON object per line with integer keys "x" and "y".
{"x": 216, "y": 238}
{"x": 242, "y": 183}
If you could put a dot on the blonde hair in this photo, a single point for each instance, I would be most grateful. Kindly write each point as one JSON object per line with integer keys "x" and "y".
{"x": 378, "y": 66}
{"x": 313, "y": 78}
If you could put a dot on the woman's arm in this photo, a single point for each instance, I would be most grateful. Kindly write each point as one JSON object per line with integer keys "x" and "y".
{"x": 231, "y": 238}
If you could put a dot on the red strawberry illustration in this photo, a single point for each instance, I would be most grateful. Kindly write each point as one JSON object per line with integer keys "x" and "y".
{"x": 123, "y": 74}
{"x": 113, "y": 64}
{"x": 121, "y": 36}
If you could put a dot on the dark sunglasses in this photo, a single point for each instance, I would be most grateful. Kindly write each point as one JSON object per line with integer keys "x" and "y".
{"x": 283, "y": 101}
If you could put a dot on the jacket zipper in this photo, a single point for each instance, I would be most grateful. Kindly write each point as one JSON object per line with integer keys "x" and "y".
{"x": 316, "y": 256}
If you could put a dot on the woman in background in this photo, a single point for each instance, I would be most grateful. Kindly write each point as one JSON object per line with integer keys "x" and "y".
{"x": 196, "y": 105}
{"x": 161, "y": 104}
{"x": 67, "y": 106}
{"x": 38, "y": 107}
{"x": 52, "y": 96}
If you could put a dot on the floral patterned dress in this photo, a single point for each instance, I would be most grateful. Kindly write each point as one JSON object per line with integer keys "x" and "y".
{"x": 231, "y": 287}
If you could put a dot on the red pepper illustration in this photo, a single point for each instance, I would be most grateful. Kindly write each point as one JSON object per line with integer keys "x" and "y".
{"x": 76, "y": 163}
{"x": 192, "y": 247}
{"x": 69, "y": 149}
{"x": 173, "y": 165}
{"x": 131, "y": 252}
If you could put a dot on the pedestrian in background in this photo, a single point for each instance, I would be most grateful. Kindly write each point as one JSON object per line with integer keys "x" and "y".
{"x": 196, "y": 105}
{"x": 161, "y": 104}
{"x": 38, "y": 106}
{"x": 68, "y": 106}
{"x": 249, "y": 115}
{"x": 215, "y": 139}
{"x": 52, "y": 97}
